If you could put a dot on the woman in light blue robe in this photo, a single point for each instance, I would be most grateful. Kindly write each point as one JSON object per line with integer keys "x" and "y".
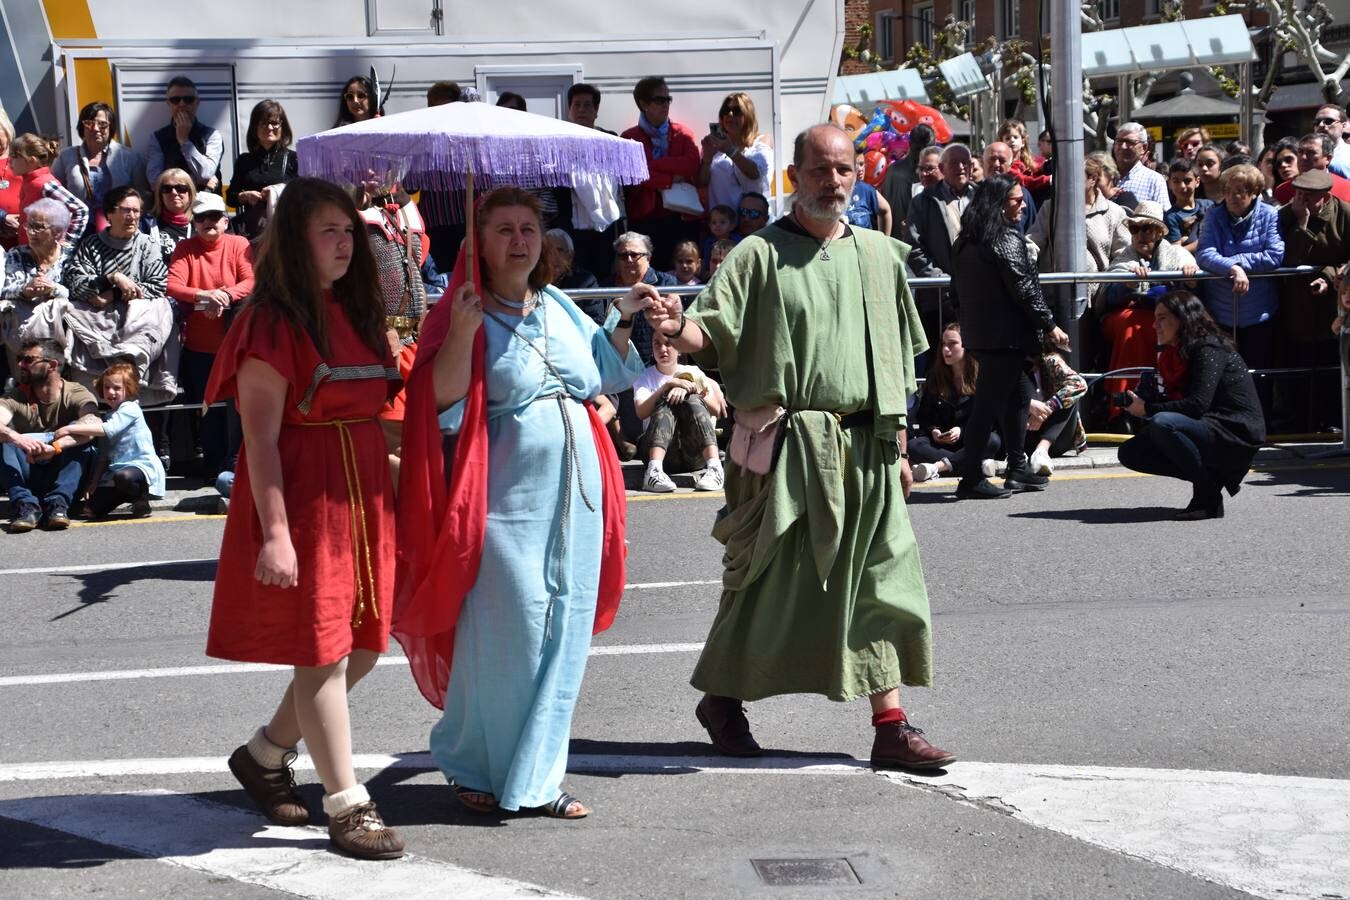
{"x": 524, "y": 631}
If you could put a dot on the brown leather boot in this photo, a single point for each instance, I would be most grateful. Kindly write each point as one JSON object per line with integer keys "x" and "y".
{"x": 899, "y": 745}
{"x": 728, "y": 728}
{"x": 359, "y": 831}
{"x": 272, "y": 789}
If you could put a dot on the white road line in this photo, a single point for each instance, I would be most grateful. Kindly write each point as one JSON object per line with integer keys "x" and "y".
{"x": 653, "y": 585}
{"x": 1267, "y": 835}
{"x": 105, "y": 567}
{"x": 255, "y": 668}
{"x": 596, "y": 764}
{"x": 227, "y": 842}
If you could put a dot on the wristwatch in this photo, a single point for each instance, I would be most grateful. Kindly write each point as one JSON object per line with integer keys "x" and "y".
{"x": 626, "y": 323}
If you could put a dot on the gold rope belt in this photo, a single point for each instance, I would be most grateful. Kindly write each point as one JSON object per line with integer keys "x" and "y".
{"x": 365, "y": 587}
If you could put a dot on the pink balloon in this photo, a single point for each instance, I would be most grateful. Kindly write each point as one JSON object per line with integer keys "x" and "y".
{"x": 875, "y": 140}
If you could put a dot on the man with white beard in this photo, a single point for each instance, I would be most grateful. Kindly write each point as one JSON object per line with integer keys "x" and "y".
{"x": 814, "y": 331}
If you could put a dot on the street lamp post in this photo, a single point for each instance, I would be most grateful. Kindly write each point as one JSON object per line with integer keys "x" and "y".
{"x": 1067, "y": 115}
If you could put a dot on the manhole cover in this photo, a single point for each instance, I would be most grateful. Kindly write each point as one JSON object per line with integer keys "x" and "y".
{"x": 805, "y": 872}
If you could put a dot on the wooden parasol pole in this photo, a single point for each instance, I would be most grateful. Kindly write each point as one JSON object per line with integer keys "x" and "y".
{"x": 470, "y": 254}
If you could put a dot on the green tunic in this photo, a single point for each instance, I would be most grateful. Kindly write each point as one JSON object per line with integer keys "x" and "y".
{"x": 823, "y": 591}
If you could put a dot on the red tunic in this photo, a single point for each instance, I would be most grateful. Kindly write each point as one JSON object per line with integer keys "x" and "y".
{"x": 338, "y": 495}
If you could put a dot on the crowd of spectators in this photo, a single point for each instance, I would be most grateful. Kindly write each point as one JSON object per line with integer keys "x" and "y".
{"x": 125, "y": 257}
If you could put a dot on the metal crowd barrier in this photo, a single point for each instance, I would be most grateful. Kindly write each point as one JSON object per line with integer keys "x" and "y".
{"x": 1046, "y": 278}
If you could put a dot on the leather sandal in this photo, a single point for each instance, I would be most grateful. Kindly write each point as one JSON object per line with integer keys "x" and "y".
{"x": 472, "y": 799}
{"x": 561, "y": 808}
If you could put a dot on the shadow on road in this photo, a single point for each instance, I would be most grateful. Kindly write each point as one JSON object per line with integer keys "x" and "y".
{"x": 1305, "y": 481}
{"x": 1110, "y": 515}
{"x": 100, "y": 587}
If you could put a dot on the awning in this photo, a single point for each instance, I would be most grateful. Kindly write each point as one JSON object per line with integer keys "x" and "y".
{"x": 865, "y": 91}
{"x": 1187, "y": 105}
{"x": 1300, "y": 96}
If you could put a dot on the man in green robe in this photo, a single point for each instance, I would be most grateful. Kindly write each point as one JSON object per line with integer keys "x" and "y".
{"x": 823, "y": 592}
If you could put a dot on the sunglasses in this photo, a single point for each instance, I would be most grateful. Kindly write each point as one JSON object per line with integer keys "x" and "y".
{"x": 175, "y": 189}
{"x": 126, "y": 211}
{"x": 1325, "y": 120}
{"x": 661, "y": 99}
{"x": 183, "y": 100}
{"x": 751, "y": 214}
{"x": 356, "y": 95}
{"x": 208, "y": 217}
{"x": 29, "y": 360}
{"x": 1136, "y": 227}
{"x": 731, "y": 112}
{"x": 630, "y": 255}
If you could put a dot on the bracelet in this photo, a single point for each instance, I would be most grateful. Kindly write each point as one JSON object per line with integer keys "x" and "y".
{"x": 56, "y": 448}
{"x": 625, "y": 323}
{"x": 680, "y": 330}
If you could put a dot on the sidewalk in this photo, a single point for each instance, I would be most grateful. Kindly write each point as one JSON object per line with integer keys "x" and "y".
{"x": 185, "y": 496}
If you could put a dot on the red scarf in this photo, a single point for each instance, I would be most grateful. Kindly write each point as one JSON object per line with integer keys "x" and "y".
{"x": 1174, "y": 370}
{"x": 440, "y": 532}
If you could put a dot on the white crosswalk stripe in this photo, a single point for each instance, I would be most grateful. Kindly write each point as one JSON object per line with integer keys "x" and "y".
{"x": 1272, "y": 836}
{"x": 228, "y": 842}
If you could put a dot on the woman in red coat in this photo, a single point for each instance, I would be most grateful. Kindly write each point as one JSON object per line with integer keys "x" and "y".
{"x": 306, "y": 564}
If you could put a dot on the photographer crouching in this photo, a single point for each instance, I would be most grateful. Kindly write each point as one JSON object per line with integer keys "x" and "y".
{"x": 1205, "y": 423}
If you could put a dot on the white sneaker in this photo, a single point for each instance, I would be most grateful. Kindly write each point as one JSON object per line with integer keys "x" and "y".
{"x": 924, "y": 471}
{"x": 710, "y": 479}
{"x": 658, "y": 482}
{"x": 1040, "y": 463}
{"x": 988, "y": 468}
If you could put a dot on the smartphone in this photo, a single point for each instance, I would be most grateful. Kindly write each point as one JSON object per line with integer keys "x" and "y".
{"x": 715, "y": 129}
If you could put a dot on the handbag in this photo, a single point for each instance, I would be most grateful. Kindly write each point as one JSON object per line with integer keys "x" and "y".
{"x": 682, "y": 197}
{"x": 757, "y": 436}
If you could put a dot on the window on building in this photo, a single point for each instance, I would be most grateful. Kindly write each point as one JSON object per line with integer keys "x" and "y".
{"x": 1110, "y": 10}
{"x": 966, "y": 13}
{"x": 884, "y": 32}
{"x": 1153, "y": 9}
{"x": 1009, "y": 18}
{"x": 923, "y": 24}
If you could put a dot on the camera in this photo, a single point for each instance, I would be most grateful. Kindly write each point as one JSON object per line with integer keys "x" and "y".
{"x": 1146, "y": 390}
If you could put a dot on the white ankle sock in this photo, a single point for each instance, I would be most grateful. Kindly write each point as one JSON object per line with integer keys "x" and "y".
{"x": 265, "y": 753}
{"x": 656, "y": 465}
{"x": 334, "y": 804}
{"x": 714, "y": 463}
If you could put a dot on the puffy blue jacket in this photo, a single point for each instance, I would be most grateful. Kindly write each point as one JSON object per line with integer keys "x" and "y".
{"x": 1253, "y": 242}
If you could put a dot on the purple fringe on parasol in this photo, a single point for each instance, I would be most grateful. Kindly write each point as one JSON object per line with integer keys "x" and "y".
{"x": 437, "y": 148}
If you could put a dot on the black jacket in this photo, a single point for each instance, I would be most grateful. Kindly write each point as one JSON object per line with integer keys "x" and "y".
{"x": 1220, "y": 393}
{"x": 926, "y": 233}
{"x": 1001, "y": 303}
{"x": 253, "y": 172}
{"x": 935, "y": 412}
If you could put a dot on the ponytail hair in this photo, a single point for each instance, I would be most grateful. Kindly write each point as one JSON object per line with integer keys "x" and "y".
{"x": 43, "y": 148}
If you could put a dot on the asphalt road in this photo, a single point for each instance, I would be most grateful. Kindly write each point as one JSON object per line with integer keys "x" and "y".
{"x": 1142, "y": 708}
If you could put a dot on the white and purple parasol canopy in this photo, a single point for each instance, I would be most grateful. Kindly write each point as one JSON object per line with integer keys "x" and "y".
{"x": 441, "y": 146}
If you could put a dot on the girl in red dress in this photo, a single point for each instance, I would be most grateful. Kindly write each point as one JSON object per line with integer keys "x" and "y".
{"x": 306, "y": 564}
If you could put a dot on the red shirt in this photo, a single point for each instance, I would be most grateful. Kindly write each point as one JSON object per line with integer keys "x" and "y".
{"x": 195, "y": 266}
{"x": 10, "y": 185}
{"x": 1340, "y": 189}
{"x": 682, "y": 158}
